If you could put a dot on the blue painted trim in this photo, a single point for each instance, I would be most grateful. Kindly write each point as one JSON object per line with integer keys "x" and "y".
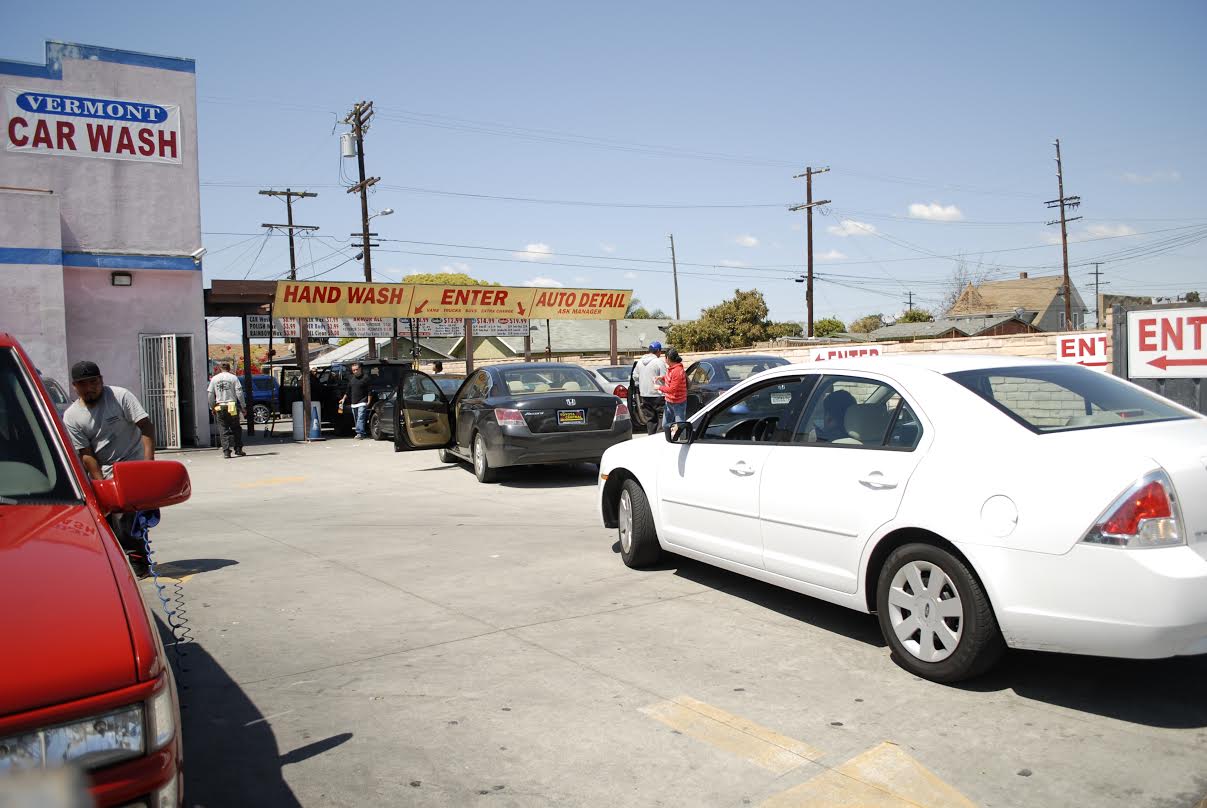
{"x": 33, "y": 256}
{"x": 107, "y": 261}
{"x": 24, "y": 255}
{"x": 56, "y": 52}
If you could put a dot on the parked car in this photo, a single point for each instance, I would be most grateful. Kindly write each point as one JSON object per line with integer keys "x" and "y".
{"x": 708, "y": 378}
{"x": 526, "y": 413}
{"x": 331, "y": 383}
{"x": 972, "y": 503}
{"x": 265, "y": 398}
{"x": 85, "y": 681}
{"x": 381, "y": 419}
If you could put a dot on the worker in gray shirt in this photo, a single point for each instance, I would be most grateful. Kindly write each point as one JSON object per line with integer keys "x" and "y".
{"x": 226, "y": 401}
{"x": 108, "y": 425}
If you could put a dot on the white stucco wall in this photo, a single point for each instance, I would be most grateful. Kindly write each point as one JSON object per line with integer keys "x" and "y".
{"x": 31, "y": 294}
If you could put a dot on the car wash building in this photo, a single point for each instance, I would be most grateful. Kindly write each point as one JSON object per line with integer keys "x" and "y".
{"x": 100, "y": 225}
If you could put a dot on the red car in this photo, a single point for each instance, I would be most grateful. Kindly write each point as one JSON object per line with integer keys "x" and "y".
{"x": 85, "y": 681}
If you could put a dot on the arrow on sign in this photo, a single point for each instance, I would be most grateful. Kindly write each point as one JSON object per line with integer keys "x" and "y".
{"x": 520, "y": 305}
{"x": 419, "y": 309}
{"x": 1164, "y": 362}
{"x": 1094, "y": 364}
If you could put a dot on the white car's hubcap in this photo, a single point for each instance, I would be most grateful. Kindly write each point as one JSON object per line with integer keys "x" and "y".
{"x": 925, "y": 611}
{"x": 625, "y": 522}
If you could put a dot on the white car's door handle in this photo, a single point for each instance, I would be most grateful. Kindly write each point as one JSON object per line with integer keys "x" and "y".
{"x": 877, "y": 481}
{"x": 741, "y": 468}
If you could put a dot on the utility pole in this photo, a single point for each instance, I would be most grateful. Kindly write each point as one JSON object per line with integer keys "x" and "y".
{"x": 1064, "y": 202}
{"x": 301, "y": 346}
{"x": 910, "y": 302}
{"x": 808, "y": 209}
{"x": 1097, "y": 273}
{"x": 675, "y": 273}
{"x": 358, "y": 119}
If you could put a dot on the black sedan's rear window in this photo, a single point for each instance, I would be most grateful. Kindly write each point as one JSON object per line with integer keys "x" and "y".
{"x": 1056, "y": 398}
{"x": 523, "y": 382}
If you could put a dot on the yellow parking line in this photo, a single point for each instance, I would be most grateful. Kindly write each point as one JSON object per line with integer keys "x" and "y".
{"x": 736, "y": 735}
{"x": 272, "y": 481}
{"x": 882, "y": 777}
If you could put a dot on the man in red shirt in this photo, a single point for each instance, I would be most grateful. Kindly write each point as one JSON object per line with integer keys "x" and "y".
{"x": 674, "y": 389}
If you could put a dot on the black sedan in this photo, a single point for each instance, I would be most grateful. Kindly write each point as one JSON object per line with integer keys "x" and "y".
{"x": 381, "y": 417}
{"x": 708, "y": 378}
{"x": 530, "y": 413}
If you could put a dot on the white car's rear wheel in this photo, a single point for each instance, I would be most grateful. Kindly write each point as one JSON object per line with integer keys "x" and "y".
{"x": 935, "y": 615}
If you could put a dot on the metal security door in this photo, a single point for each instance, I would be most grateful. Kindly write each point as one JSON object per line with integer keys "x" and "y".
{"x": 160, "y": 385}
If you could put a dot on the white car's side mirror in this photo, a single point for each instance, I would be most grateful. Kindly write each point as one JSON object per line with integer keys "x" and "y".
{"x": 679, "y": 432}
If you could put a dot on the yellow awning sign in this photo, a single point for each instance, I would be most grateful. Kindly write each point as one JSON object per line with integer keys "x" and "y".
{"x": 320, "y": 299}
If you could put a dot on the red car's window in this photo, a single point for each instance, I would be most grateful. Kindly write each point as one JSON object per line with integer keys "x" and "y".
{"x": 31, "y": 467}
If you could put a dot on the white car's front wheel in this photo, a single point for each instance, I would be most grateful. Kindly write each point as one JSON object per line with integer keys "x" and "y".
{"x": 935, "y": 615}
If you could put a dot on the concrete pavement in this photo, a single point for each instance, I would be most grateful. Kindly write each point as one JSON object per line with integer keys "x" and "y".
{"x": 379, "y": 628}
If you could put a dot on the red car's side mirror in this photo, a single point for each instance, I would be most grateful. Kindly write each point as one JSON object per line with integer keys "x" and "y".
{"x": 143, "y": 485}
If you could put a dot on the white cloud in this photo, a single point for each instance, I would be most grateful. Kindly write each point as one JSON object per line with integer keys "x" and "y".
{"x": 1155, "y": 176}
{"x": 541, "y": 280}
{"x": 538, "y": 251}
{"x": 456, "y": 266}
{"x": 608, "y": 248}
{"x": 630, "y": 276}
{"x": 734, "y": 264}
{"x": 1109, "y": 230}
{"x": 935, "y": 212}
{"x": 797, "y": 226}
{"x": 832, "y": 255}
{"x": 850, "y": 227}
{"x": 746, "y": 241}
{"x": 581, "y": 279}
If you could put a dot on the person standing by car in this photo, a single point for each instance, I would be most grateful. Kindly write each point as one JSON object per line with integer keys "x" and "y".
{"x": 108, "y": 425}
{"x": 226, "y": 400}
{"x": 674, "y": 389}
{"x": 649, "y": 368}
{"x": 360, "y": 397}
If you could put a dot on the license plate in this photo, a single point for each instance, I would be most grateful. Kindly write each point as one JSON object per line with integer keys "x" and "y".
{"x": 571, "y": 417}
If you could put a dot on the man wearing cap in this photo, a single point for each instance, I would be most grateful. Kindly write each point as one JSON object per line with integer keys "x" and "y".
{"x": 108, "y": 425}
{"x": 650, "y": 368}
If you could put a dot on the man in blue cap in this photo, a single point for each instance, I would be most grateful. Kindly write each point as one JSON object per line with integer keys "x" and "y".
{"x": 650, "y": 369}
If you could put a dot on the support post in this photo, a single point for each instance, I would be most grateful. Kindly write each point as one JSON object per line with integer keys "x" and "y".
{"x": 469, "y": 345}
{"x": 247, "y": 385}
{"x": 613, "y": 353}
{"x": 528, "y": 345}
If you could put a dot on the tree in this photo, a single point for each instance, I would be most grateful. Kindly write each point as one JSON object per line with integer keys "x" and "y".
{"x": 827, "y": 326}
{"x": 447, "y": 278}
{"x": 868, "y": 324}
{"x": 1192, "y": 297}
{"x": 916, "y": 316}
{"x": 636, "y": 311}
{"x": 963, "y": 276}
{"x": 733, "y": 323}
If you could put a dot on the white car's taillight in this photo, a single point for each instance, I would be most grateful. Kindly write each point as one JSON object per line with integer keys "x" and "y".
{"x": 509, "y": 417}
{"x": 1146, "y": 515}
{"x": 622, "y": 411}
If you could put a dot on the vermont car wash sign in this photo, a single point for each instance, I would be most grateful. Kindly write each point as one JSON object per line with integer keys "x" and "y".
{"x": 85, "y": 126}
{"x": 318, "y": 299}
{"x": 1167, "y": 343}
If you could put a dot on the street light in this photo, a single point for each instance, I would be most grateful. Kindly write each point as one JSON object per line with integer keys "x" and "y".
{"x": 385, "y": 212}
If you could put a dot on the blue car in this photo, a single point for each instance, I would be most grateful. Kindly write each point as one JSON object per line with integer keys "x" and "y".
{"x": 265, "y": 398}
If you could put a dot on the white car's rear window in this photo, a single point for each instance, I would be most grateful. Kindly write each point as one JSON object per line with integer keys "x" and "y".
{"x": 1049, "y": 398}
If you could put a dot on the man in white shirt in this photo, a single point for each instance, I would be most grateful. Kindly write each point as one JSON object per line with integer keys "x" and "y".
{"x": 226, "y": 400}
{"x": 650, "y": 369}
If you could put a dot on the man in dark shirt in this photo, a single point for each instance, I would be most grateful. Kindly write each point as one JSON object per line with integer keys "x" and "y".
{"x": 359, "y": 396}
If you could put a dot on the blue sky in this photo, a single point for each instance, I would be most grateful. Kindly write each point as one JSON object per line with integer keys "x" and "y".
{"x": 949, "y": 107}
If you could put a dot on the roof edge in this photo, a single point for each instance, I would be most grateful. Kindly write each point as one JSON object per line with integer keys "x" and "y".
{"x": 57, "y": 51}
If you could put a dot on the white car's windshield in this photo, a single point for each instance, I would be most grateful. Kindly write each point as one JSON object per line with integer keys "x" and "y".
{"x": 31, "y": 469}
{"x": 1048, "y": 398}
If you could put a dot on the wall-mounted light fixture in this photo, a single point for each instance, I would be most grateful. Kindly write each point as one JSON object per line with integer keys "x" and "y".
{"x": 121, "y": 279}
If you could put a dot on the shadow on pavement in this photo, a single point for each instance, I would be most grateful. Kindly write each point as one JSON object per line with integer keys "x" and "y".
{"x": 1155, "y": 692}
{"x": 577, "y": 475}
{"x": 231, "y": 756}
{"x": 192, "y": 566}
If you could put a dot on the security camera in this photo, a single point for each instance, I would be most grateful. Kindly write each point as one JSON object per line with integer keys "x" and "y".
{"x": 196, "y": 254}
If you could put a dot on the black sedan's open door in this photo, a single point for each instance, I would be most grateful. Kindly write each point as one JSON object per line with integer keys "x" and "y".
{"x": 423, "y": 417}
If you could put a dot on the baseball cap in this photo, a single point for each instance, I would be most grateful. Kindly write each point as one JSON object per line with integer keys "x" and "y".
{"x": 84, "y": 370}
{"x": 655, "y": 346}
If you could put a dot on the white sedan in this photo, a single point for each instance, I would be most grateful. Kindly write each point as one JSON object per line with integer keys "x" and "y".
{"x": 971, "y": 502}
